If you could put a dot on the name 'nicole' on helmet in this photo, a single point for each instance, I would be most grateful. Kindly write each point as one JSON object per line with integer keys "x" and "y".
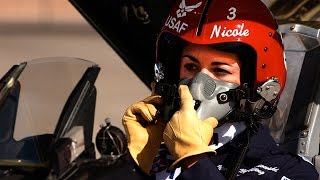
{"x": 228, "y": 23}
{"x": 237, "y": 32}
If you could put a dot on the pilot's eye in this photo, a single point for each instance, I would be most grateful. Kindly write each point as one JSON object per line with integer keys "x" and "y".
{"x": 220, "y": 72}
{"x": 191, "y": 67}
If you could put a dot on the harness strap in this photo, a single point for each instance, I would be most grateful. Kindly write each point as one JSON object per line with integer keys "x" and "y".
{"x": 238, "y": 151}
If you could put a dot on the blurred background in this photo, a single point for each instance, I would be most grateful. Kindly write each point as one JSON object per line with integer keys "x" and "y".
{"x": 32, "y": 29}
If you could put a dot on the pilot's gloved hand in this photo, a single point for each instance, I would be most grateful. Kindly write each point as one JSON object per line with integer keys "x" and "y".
{"x": 185, "y": 135}
{"x": 143, "y": 134}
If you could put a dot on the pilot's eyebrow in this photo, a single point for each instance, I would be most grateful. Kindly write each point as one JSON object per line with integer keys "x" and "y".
{"x": 193, "y": 59}
{"x": 217, "y": 63}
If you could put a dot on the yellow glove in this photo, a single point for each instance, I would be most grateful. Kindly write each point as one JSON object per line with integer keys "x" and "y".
{"x": 185, "y": 135}
{"x": 143, "y": 134}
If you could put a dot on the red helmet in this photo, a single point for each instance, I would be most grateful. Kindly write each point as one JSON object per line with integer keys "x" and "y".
{"x": 247, "y": 22}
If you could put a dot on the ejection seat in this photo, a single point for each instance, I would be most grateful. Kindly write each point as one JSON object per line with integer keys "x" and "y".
{"x": 296, "y": 124}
